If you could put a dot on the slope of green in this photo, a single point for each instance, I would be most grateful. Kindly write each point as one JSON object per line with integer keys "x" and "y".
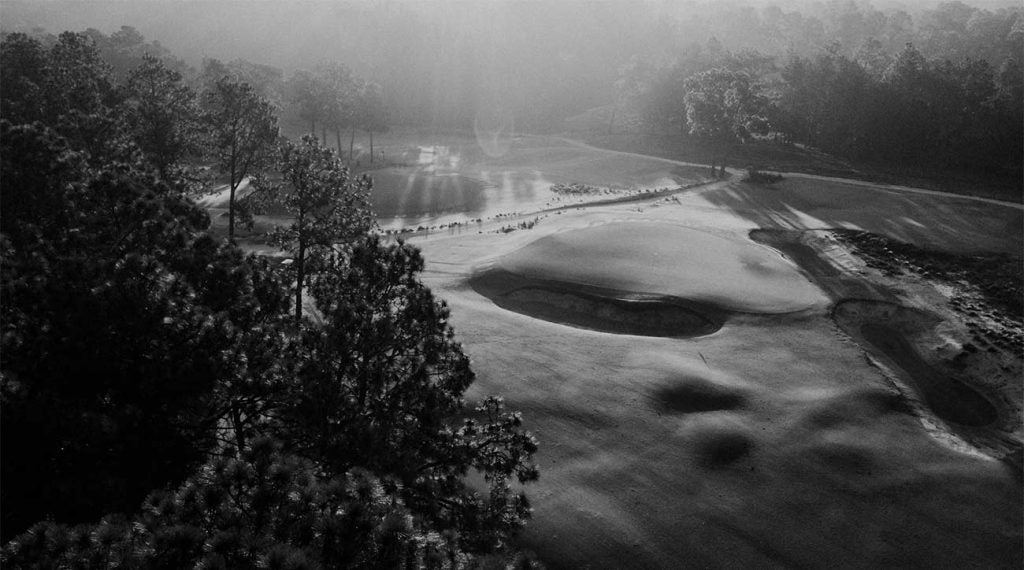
{"x": 666, "y": 259}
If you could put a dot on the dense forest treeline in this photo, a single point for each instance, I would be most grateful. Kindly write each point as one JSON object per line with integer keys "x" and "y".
{"x": 936, "y": 87}
{"x": 328, "y": 95}
{"x": 167, "y": 402}
{"x": 896, "y": 109}
{"x": 445, "y": 62}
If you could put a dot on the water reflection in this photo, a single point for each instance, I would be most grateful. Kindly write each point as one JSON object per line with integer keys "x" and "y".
{"x": 403, "y": 193}
{"x": 447, "y": 183}
{"x": 437, "y": 157}
{"x": 457, "y": 181}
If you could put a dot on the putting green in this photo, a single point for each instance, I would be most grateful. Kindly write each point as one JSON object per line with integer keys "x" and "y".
{"x": 670, "y": 260}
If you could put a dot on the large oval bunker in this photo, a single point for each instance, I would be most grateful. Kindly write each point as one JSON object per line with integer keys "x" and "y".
{"x": 598, "y": 309}
{"x": 669, "y": 260}
{"x": 654, "y": 279}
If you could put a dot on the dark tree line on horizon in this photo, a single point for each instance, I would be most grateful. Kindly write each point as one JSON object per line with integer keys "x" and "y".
{"x": 899, "y": 109}
{"x": 937, "y": 88}
{"x": 442, "y": 63}
{"x": 166, "y": 402}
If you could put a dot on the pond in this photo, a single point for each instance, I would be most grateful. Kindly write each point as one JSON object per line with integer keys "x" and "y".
{"x": 415, "y": 193}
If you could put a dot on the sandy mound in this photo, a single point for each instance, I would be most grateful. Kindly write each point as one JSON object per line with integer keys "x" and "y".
{"x": 649, "y": 279}
{"x": 659, "y": 259}
{"x": 859, "y": 405}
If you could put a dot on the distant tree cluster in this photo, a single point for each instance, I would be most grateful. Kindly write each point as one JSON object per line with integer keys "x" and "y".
{"x": 332, "y": 98}
{"x": 443, "y": 62}
{"x": 900, "y": 109}
{"x": 166, "y": 400}
{"x": 905, "y": 110}
{"x": 939, "y": 88}
{"x": 947, "y": 30}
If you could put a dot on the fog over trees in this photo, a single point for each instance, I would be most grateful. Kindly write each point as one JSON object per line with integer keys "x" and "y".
{"x": 949, "y": 71}
{"x": 443, "y": 61}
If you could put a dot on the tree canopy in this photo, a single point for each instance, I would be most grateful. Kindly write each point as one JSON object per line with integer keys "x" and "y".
{"x": 895, "y": 108}
{"x": 723, "y": 108}
{"x": 165, "y": 403}
{"x": 244, "y": 134}
{"x": 327, "y": 206}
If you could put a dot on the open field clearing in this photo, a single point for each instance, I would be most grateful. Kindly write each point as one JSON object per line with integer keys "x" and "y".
{"x": 763, "y": 420}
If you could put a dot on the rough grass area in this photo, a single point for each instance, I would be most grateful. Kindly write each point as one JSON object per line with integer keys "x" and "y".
{"x": 859, "y": 405}
{"x": 997, "y": 277}
{"x": 904, "y": 305}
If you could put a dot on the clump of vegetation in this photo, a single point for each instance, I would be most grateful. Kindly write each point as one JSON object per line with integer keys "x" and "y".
{"x": 524, "y": 225}
{"x": 756, "y": 176}
{"x": 578, "y": 189}
{"x": 999, "y": 277}
{"x": 990, "y": 287}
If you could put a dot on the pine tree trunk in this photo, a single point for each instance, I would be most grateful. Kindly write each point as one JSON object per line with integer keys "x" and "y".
{"x": 371, "y": 147}
{"x": 231, "y": 200}
{"x": 300, "y": 275}
{"x": 337, "y": 139}
{"x": 231, "y": 214}
{"x": 312, "y": 127}
{"x": 323, "y": 134}
{"x": 351, "y": 144}
{"x": 236, "y": 419}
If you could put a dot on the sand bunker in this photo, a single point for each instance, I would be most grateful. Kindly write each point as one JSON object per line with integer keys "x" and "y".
{"x": 886, "y": 327}
{"x": 648, "y": 279}
{"x": 671, "y": 261}
{"x": 598, "y": 309}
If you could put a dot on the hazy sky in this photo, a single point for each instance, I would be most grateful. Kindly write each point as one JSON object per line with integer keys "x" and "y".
{"x": 534, "y": 59}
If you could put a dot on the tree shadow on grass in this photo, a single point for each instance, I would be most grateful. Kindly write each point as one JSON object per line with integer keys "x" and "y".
{"x": 946, "y": 223}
